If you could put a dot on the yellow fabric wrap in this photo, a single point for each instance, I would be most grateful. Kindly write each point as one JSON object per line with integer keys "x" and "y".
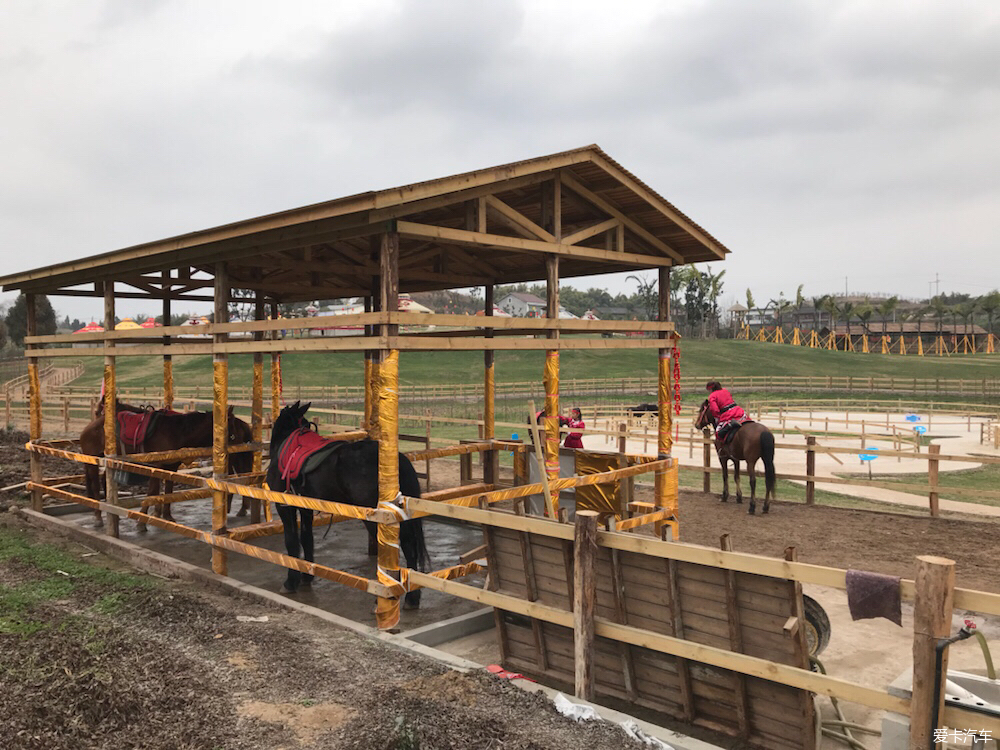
{"x": 602, "y": 498}
{"x": 369, "y": 393}
{"x": 374, "y": 385}
{"x": 663, "y": 440}
{"x": 220, "y": 452}
{"x": 110, "y": 439}
{"x": 489, "y": 404}
{"x": 168, "y": 382}
{"x": 275, "y": 386}
{"x": 387, "y": 412}
{"x": 220, "y": 422}
{"x": 552, "y": 420}
{"x": 35, "y": 400}
{"x": 257, "y": 408}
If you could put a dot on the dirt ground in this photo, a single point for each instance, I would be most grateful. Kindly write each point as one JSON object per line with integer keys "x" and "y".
{"x": 93, "y": 656}
{"x": 118, "y": 660}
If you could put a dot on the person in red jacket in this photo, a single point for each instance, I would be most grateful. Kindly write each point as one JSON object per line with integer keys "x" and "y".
{"x": 728, "y": 415}
{"x": 575, "y": 421}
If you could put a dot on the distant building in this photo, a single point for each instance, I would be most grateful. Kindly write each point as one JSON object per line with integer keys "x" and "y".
{"x": 522, "y": 305}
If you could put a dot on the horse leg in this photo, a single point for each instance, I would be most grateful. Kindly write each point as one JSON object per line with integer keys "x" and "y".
{"x": 153, "y": 488}
{"x": 244, "y": 508}
{"x": 92, "y": 480}
{"x": 372, "y": 528}
{"x": 411, "y": 542}
{"x": 725, "y": 478}
{"x": 289, "y": 520}
{"x": 736, "y": 478}
{"x": 752, "y": 473}
{"x": 166, "y": 512}
{"x": 306, "y": 535}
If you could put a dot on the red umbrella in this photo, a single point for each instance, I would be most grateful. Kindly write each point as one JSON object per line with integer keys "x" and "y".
{"x": 91, "y": 327}
{"x": 150, "y": 323}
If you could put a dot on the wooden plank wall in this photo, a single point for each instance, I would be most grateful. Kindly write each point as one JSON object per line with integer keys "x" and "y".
{"x": 740, "y": 612}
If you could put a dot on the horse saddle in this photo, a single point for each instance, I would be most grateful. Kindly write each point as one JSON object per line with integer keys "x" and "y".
{"x": 728, "y": 432}
{"x": 302, "y": 452}
{"x": 134, "y": 427}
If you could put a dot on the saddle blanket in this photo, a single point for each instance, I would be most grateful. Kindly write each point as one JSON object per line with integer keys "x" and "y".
{"x": 295, "y": 453}
{"x": 727, "y": 432}
{"x": 133, "y": 427}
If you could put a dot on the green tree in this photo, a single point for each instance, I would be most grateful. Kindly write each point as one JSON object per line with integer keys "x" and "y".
{"x": 647, "y": 294}
{"x": 819, "y": 306}
{"x": 989, "y": 304}
{"x": 887, "y": 308}
{"x": 17, "y": 318}
{"x": 799, "y": 302}
{"x": 864, "y": 312}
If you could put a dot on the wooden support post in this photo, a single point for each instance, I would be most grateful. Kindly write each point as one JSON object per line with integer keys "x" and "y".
{"x": 552, "y": 374}
{"x": 530, "y": 584}
{"x": 933, "y": 468}
{"x": 706, "y": 450}
{"x": 932, "y": 612}
{"x": 257, "y": 404}
{"x": 110, "y": 408}
{"x": 168, "y": 363}
{"x": 275, "y": 369}
{"x": 664, "y": 441}
{"x": 386, "y": 408}
{"x": 584, "y": 598}
{"x": 427, "y": 461}
{"x": 220, "y": 420}
{"x": 65, "y": 414}
{"x": 624, "y": 485}
{"x": 810, "y": 469}
{"x": 491, "y": 458}
{"x": 34, "y": 401}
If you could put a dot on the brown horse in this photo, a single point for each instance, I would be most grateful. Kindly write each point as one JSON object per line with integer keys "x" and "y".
{"x": 752, "y": 441}
{"x": 172, "y": 431}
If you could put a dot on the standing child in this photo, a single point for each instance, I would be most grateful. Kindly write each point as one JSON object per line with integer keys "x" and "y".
{"x": 575, "y": 421}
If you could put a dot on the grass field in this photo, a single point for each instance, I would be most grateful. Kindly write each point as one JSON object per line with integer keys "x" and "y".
{"x": 719, "y": 358}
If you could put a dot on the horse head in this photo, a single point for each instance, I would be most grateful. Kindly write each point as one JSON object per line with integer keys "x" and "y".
{"x": 704, "y": 417}
{"x": 288, "y": 421}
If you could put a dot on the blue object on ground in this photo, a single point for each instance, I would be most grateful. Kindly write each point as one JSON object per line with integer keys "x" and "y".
{"x": 912, "y": 418}
{"x": 920, "y": 429}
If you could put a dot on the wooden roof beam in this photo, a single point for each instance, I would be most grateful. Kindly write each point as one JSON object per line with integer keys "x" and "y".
{"x": 591, "y": 231}
{"x": 518, "y": 221}
{"x": 447, "y": 235}
{"x": 576, "y": 187}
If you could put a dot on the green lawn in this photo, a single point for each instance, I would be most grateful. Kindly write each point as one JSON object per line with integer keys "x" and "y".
{"x": 698, "y": 358}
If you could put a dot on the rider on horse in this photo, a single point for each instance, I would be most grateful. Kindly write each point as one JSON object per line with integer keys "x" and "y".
{"x": 728, "y": 416}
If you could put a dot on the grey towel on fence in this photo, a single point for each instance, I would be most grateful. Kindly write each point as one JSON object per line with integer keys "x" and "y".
{"x": 873, "y": 595}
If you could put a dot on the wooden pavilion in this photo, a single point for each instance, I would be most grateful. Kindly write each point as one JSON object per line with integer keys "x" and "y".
{"x": 574, "y": 213}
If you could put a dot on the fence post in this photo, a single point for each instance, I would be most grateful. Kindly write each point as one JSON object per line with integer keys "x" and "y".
{"x": 932, "y": 477}
{"x": 427, "y": 462}
{"x": 932, "y": 611}
{"x": 706, "y": 481}
{"x": 584, "y": 596}
{"x": 810, "y": 469}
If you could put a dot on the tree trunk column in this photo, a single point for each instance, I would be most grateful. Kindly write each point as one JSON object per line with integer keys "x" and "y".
{"x": 110, "y": 408}
{"x": 220, "y": 419}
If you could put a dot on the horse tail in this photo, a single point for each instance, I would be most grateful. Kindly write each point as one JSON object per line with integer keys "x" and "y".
{"x": 767, "y": 455}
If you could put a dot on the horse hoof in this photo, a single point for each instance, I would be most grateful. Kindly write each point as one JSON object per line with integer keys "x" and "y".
{"x": 306, "y": 585}
{"x": 739, "y": 499}
{"x": 752, "y": 511}
{"x": 766, "y": 510}
{"x": 241, "y": 513}
{"x": 285, "y": 590}
{"x": 141, "y": 528}
{"x": 724, "y": 498}
{"x": 409, "y": 603}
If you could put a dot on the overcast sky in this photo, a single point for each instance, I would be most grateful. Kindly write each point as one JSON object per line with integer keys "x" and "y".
{"x": 817, "y": 140}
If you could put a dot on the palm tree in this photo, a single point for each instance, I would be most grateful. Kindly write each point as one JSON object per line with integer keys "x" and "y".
{"x": 966, "y": 311}
{"x": 886, "y": 309}
{"x": 865, "y": 312}
{"x": 819, "y": 305}
{"x": 989, "y": 304}
{"x": 799, "y": 301}
{"x": 714, "y": 290}
{"x": 848, "y": 309}
{"x": 938, "y": 308}
{"x": 830, "y": 304}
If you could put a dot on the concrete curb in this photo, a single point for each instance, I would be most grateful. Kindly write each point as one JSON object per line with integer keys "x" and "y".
{"x": 169, "y": 567}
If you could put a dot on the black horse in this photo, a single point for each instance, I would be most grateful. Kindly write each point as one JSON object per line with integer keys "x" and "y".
{"x": 348, "y": 474}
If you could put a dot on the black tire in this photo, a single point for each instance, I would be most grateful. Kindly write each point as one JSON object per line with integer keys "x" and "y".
{"x": 817, "y": 626}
